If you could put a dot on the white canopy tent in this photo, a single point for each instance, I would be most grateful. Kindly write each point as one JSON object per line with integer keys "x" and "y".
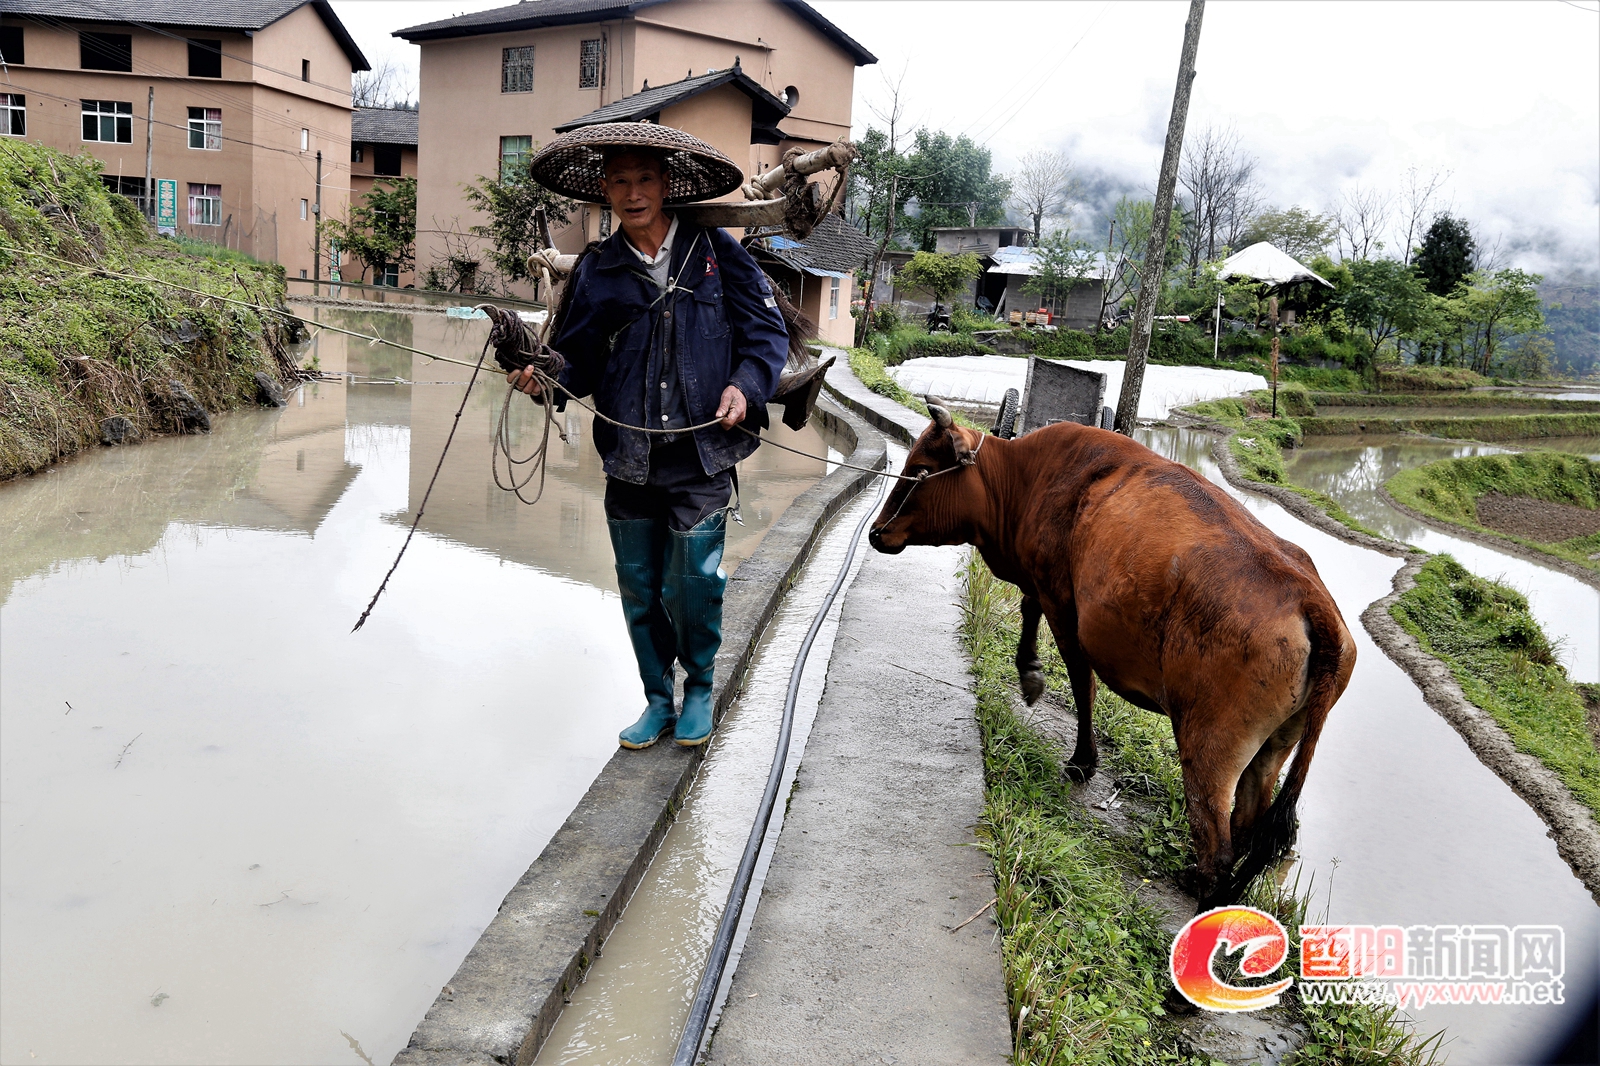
{"x": 1266, "y": 264}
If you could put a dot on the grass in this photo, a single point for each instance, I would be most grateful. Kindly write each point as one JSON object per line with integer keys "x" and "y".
{"x": 866, "y": 365}
{"x": 1505, "y": 664}
{"x": 1430, "y": 378}
{"x": 1257, "y": 444}
{"x": 1449, "y": 490}
{"x": 1449, "y": 399}
{"x": 1494, "y": 428}
{"x": 1085, "y": 959}
{"x": 78, "y": 345}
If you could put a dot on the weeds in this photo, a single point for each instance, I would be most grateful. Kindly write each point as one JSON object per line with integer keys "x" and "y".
{"x": 1506, "y": 665}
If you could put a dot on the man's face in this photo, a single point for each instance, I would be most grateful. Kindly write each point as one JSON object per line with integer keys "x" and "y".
{"x": 635, "y": 186}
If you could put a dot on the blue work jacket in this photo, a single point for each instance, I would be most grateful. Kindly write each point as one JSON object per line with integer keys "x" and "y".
{"x": 721, "y": 319}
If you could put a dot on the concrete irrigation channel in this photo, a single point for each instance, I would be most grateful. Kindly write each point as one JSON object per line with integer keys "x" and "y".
{"x": 234, "y": 832}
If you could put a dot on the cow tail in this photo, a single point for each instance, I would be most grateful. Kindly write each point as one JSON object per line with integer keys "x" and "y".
{"x": 1331, "y": 660}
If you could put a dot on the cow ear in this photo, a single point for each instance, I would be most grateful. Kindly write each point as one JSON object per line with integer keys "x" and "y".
{"x": 958, "y": 440}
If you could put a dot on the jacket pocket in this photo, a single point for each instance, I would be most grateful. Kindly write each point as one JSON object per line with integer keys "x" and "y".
{"x": 710, "y": 314}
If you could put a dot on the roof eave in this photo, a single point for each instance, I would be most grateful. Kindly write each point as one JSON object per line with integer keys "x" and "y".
{"x": 324, "y": 10}
{"x": 861, "y": 56}
{"x": 444, "y": 31}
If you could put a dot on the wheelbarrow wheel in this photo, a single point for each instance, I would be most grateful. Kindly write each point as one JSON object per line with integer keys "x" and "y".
{"x": 1006, "y": 425}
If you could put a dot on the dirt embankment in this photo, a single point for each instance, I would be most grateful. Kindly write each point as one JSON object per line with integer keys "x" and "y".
{"x": 109, "y": 334}
{"x": 1540, "y": 520}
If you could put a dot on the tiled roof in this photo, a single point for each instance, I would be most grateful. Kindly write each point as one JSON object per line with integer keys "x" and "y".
{"x": 383, "y": 125}
{"x": 835, "y": 246}
{"x": 207, "y": 14}
{"x": 533, "y": 14}
{"x": 766, "y": 113}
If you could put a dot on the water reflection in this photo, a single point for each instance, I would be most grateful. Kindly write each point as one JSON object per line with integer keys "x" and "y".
{"x": 1401, "y": 824}
{"x": 234, "y": 831}
{"x": 1353, "y": 470}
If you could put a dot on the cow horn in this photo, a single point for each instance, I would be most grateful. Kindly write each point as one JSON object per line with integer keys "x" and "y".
{"x": 940, "y": 415}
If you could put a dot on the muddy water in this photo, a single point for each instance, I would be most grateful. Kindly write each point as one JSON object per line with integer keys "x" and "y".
{"x": 1400, "y": 823}
{"x": 1353, "y": 469}
{"x": 634, "y": 1004}
{"x": 232, "y": 830}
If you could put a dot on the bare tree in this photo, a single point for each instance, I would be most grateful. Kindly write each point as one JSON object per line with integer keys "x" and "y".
{"x": 1042, "y": 187}
{"x": 1362, "y": 217}
{"x": 1491, "y": 253}
{"x": 893, "y": 110}
{"x": 382, "y": 86}
{"x": 1416, "y": 205}
{"x": 1219, "y": 178}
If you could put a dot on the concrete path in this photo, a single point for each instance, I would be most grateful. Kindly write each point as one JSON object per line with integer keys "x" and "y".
{"x": 853, "y": 956}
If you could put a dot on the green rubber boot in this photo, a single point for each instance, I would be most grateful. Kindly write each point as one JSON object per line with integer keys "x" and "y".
{"x": 641, "y": 548}
{"x": 692, "y": 592}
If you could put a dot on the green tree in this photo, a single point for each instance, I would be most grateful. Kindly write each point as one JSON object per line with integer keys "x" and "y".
{"x": 1129, "y": 241}
{"x": 872, "y": 180}
{"x": 512, "y": 205}
{"x": 380, "y": 231}
{"x": 941, "y": 276}
{"x": 1496, "y": 307}
{"x": 1293, "y": 231}
{"x": 1061, "y": 262}
{"x": 953, "y": 186}
{"x": 1386, "y": 300}
{"x": 1445, "y": 258}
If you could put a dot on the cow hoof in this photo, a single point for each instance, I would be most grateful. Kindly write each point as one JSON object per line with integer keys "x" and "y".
{"x": 1032, "y": 685}
{"x": 1078, "y": 774}
{"x": 1192, "y": 882}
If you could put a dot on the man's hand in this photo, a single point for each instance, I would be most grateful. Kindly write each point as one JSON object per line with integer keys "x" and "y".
{"x": 731, "y": 410}
{"x": 523, "y": 381}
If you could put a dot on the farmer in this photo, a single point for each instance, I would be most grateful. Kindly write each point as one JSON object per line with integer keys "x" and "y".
{"x": 668, "y": 325}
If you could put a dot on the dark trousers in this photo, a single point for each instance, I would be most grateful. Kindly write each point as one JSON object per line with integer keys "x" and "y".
{"x": 677, "y": 489}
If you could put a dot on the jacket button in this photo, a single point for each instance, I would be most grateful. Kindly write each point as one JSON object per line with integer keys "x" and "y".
{"x": 667, "y": 314}
{"x": 663, "y": 418}
{"x": 663, "y": 384}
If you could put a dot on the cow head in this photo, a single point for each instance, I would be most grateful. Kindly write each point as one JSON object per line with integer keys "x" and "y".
{"x": 934, "y": 509}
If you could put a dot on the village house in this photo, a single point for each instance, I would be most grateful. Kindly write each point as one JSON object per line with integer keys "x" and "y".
{"x": 383, "y": 144}
{"x": 818, "y": 274}
{"x": 240, "y": 107}
{"x": 753, "y": 77}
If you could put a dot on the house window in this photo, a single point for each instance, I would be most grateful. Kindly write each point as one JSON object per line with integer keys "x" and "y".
{"x": 205, "y": 205}
{"x": 305, "y": 209}
{"x": 13, "y": 115}
{"x": 205, "y": 58}
{"x": 592, "y": 64}
{"x": 305, "y": 140}
{"x": 205, "y": 128}
{"x": 387, "y": 274}
{"x": 514, "y": 153}
{"x": 516, "y": 70}
{"x": 305, "y": 70}
{"x": 106, "y": 51}
{"x": 108, "y": 120}
{"x": 833, "y": 299}
{"x": 356, "y": 153}
{"x": 11, "y": 45}
{"x": 386, "y": 160}
{"x": 605, "y": 222}
{"x": 132, "y": 188}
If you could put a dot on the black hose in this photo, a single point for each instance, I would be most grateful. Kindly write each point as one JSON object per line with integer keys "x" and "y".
{"x": 700, "y": 1012}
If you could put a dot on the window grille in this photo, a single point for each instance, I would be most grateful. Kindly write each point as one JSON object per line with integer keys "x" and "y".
{"x": 205, "y": 128}
{"x": 833, "y": 299}
{"x": 516, "y": 70}
{"x": 108, "y": 120}
{"x": 13, "y": 114}
{"x": 592, "y": 64}
{"x": 205, "y": 205}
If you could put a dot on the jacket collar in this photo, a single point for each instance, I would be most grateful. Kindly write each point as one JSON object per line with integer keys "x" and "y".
{"x": 617, "y": 254}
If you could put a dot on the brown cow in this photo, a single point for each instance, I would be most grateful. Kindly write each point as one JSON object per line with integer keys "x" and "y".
{"x": 1163, "y": 585}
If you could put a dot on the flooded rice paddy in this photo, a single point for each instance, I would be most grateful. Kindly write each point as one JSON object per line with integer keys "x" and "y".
{"x": 233, "y": 830}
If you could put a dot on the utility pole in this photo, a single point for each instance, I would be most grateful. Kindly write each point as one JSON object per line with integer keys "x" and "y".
{"x": 316, "y": 228}
{"x": 1107, "y": 282}
{"x": 1272, "y": 310}
{"x": 149, "y": 149}
{"x": 1155, "y": 259}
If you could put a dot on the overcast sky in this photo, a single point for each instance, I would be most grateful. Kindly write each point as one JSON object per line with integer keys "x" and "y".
{"x": 1504, "y": 96}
